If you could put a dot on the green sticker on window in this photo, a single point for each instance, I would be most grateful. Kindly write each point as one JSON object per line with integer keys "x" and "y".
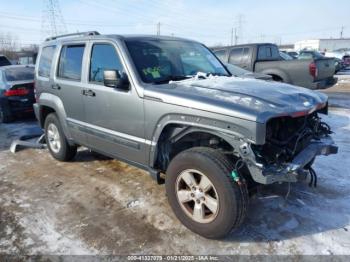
{"x": 154, "y": 71}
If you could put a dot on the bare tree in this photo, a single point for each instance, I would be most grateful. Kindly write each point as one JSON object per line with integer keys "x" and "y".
{"x": 8, "y": 44}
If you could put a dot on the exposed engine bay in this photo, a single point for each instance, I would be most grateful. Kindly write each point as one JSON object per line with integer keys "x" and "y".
{"x": 287, "y": 136}
{"x": 292, "y": 143}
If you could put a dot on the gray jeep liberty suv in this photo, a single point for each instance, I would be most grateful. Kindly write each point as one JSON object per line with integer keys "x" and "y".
{"x": 169, "y": 106}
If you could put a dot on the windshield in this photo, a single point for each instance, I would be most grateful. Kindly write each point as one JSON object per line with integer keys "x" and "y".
{"x": 160, "y": 61}
{"x": 19, "y": 74}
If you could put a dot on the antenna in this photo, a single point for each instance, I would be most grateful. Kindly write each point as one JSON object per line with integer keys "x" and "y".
{"x": 52, "y": 22}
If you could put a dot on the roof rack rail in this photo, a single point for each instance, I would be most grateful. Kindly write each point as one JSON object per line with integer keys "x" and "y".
{"x": 87, "y": 33}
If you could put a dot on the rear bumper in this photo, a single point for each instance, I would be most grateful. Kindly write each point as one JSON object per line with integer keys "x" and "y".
{"x": 323, "y": 84}
{"x": 289, "y": 172}
{"x": 17, "y": 105}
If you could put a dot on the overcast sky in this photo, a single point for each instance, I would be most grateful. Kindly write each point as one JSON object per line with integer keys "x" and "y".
{"x": 208, "y": 21}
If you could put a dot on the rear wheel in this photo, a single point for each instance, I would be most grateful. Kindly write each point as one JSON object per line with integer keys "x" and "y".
{"x": 56, "y": 140}
{"x": 203, "y": 194}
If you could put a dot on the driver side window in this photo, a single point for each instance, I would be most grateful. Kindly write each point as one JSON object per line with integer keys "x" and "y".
{"x": 103, "y": 57}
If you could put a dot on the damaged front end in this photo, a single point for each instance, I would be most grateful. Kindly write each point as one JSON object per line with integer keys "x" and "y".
{"x": 291, "y": 145}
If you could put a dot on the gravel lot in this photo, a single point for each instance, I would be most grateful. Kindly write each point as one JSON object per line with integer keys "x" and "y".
{"x": 102, "y": 206}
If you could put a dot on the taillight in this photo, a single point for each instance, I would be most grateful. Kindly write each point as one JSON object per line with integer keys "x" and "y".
{"x": 16, "y": 92}
{"x": 313, "y": 70}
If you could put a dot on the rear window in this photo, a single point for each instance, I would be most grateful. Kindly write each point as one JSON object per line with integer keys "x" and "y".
{"x": 70, "y": 63}
{"x": 19, "y": 74}
{"x": 46, "y": 61}
{"x": 4, "y": 61}
{"x": 268, "y": 52}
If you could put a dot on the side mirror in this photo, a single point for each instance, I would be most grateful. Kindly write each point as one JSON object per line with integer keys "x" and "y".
{"x": 112, "y": 78}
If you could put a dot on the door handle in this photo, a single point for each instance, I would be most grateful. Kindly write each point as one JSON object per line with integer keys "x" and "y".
{"x": 88, "y": 92}
{"x": 56, "y": 86}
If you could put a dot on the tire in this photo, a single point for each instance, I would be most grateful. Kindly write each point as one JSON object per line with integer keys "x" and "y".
{"x": 231, "y": 196}
{"x": 58, "y": 145}
{"x": 5, "y": 114}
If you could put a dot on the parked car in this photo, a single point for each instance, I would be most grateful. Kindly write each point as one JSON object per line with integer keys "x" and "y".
{"x": 4, "y": 61}
{"x": 16, "y": 91}
{"x": 169, "y": 106}
{"x": 311, "y": 54}
{"x": 293, "y": 54}
{"x": 285, "y": 56}
{"x": 266, "y": 59}
{"x": 346, "y": 60}
{"x": 240, "y": 72}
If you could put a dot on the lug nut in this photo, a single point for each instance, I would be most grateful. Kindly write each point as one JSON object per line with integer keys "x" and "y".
{"x": 198, "y": 201}
{"x": 192, "y": 195}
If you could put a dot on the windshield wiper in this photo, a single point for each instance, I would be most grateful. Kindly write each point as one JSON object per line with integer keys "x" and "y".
{"x": 171, "y": 78}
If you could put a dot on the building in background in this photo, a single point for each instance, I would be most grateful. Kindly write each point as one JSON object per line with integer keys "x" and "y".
{"x": 323, "y": 45}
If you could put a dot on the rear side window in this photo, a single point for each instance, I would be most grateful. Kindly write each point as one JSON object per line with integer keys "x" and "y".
{"x": 46, "y": 61}
{"x": 70, "y": 63}
{"x": 103, "y": 57}
{"x": 268, "y": 52}
{"x": 235, "y": 56}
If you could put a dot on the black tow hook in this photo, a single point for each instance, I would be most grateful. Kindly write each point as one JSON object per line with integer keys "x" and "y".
{"x": 313, "y": 177}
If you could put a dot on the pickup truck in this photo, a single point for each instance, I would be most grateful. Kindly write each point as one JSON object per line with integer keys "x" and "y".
{"x": 310, "y": 54}
{"x": 266, "y": 59}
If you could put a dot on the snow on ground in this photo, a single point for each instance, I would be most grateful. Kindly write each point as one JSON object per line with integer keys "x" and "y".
{"x": 91, "y": 206}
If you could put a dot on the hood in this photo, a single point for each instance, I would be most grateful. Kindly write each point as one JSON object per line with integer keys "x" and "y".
{"x": 246, "y": 98}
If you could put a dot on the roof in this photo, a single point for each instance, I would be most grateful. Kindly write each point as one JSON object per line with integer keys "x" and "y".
{"x": 89, "y": 36}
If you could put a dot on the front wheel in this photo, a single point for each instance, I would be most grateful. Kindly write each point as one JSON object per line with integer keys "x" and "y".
{"x": 203, "y": 194}
{"x": 56, "y": 140}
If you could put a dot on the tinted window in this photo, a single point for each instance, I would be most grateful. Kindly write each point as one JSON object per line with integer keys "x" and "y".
{"x": 70, "y": 63}
{"x": 103, "y": 57}
{"x": 19, "y": 74}
{"x": 235, "y": 56}
{"x": 221, "y": 54}
{"x": 4, "y": 61}
{"x": 46, "y": 61}
{"x": 268, "y": 52}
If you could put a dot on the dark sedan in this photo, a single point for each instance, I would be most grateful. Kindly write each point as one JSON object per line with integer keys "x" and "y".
{"x": 16, "y": 91}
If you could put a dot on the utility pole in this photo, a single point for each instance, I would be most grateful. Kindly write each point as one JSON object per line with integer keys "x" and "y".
{"x": 236, "y": 37}
{"x": 341, "y": 32}
{"x": 158, "y": 28}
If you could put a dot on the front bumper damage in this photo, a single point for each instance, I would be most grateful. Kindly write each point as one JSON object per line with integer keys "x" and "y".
{"x": 290, "y": 172}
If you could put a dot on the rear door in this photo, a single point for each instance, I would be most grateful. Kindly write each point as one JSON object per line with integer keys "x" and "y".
{"x": 68, "y": 86}
{"x": 241, "y": 57}
{"x": 115, "y": 117}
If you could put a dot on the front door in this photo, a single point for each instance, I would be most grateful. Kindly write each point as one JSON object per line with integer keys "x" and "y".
{"x": 115, "y": 117}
